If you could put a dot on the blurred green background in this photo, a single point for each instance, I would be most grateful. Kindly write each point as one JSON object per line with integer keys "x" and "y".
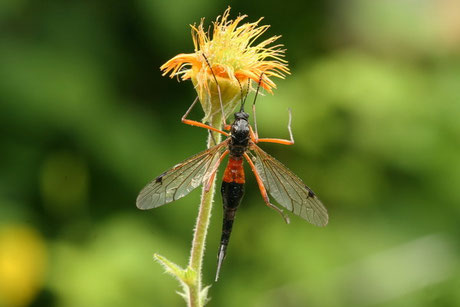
{"x": 86, "y": 120}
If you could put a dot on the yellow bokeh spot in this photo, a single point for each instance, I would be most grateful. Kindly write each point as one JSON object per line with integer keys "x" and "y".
{"x": 22, "y": 265}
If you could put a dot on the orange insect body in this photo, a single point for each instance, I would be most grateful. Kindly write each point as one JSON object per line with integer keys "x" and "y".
{"x": 234, "y": 172}
{"x": 271, "y": 176}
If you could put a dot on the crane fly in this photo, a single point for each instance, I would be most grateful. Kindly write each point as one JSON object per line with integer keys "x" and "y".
{"x": 241, "y": 144}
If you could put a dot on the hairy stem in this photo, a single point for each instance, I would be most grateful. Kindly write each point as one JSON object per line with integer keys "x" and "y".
{"x": 201, "y": 227}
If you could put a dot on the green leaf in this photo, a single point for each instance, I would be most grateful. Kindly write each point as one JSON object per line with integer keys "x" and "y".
{"x": 171, "y": 268}
{"x": 204, "y": 295}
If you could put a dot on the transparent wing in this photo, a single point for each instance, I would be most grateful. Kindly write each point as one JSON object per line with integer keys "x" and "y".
{"x": 181, "y": 179}
{"x": 288, "y": 189}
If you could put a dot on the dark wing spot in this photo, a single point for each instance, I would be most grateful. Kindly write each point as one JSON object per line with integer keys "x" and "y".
{"x": 310, "y": 193}
{"x": 160, "y": 178}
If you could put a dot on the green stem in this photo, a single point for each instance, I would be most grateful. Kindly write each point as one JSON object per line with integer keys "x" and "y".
{"x": 201, "y": 228}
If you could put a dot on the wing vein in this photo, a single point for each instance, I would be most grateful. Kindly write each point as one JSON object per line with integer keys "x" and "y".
{"x": 288, "y": 189}
{"x": 181, "y": 179}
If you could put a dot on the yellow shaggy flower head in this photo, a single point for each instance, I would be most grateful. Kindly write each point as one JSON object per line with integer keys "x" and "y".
{"x": 235, "y": 58}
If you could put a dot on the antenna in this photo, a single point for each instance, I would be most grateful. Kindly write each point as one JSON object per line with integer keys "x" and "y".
{"x": 243, "y": 100}
{"x": 218, "y": 89}
{"x": 254, "y": 105}
{"x": 247, "y": 93}
{"x": 258, "y": 87}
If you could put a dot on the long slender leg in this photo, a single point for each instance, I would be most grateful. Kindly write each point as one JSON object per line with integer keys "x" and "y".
{"x": 263, "y": 191}
{"x": 190, "y": 108}
{"x": 211, "y": 178}
{"x": 255, "y": 137}
{"x": 198, "y": 124}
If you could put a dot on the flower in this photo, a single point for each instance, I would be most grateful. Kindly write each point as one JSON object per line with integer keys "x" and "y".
{"x": 235, "y": 60}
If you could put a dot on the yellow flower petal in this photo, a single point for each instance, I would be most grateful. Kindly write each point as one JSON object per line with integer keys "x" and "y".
{"x": 234, "y": 57}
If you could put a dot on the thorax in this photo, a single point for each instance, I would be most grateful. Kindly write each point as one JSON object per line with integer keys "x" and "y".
{"x": 239, "y": 137}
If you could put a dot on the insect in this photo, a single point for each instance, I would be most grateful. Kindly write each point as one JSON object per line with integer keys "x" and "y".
{"x": 241, "y": 144}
